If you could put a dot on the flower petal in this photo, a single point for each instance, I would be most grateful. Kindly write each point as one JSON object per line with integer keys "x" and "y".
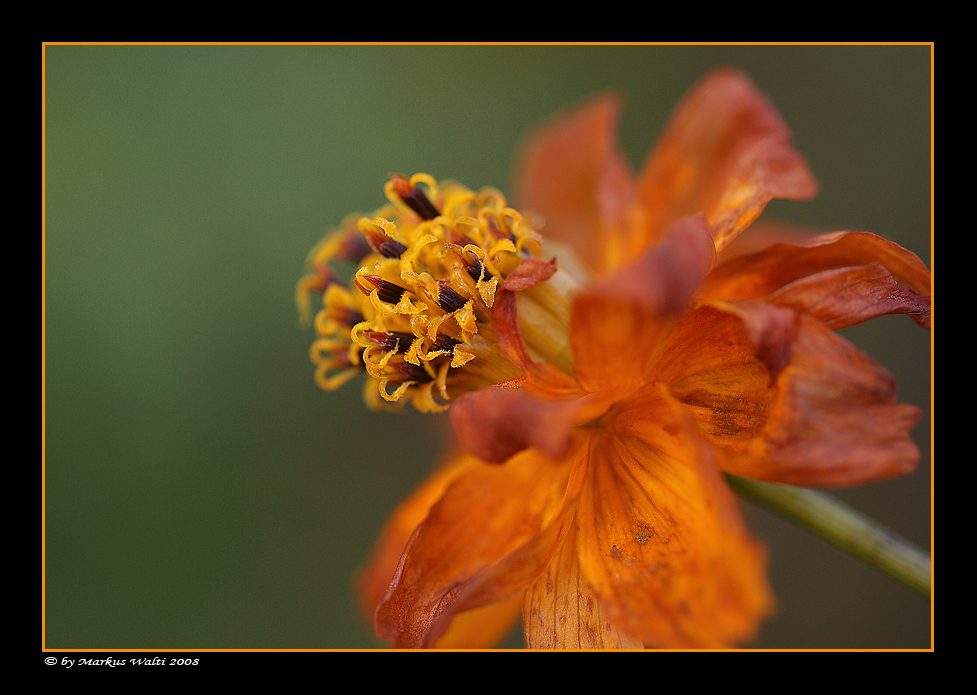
{"x": 726, "y": 153}
{"x": 477, "y": 629}
{"x": 500, "y": 421}
{"x": 373, "y": 579}
{"x": 848, "y": 296}
{"x": 484, "y": 517}
{"x": 561, "y": 612}
{"x": 763, "y": 234}
{"x": 540, "y": 378}
{"x": 529, "y": 273}
{"x": 786, "y": 399}
{"x": 905, "y": 287}
{"x": 573, "y": 173}
{"x": 481, "y": 628}
{"x": 617, "y": 323}
{"x": 661, "y": 541}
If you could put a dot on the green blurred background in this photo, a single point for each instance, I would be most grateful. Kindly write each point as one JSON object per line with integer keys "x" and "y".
{"x": 200, "y": 492}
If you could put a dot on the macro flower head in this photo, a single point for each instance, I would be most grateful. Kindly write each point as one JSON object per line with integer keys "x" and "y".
{"x": 605, "y": 352}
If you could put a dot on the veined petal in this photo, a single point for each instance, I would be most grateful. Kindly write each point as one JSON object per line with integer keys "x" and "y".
{"x": 573, "y": 173}
{"x": 660, "y": 539}
{"x": 561, "y": 612}
{"x": 785, "y": 399}
{"x": 617, "y": 324}
{"x": 484, "y": 517}
{"x": 521, "y": 568}
{"x": 726, "y": 153}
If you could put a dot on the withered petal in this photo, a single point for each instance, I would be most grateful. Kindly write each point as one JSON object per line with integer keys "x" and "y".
{"x": 484, "y": 519}
{"x": 726, "y": 152}
{"x": 661, "y": 542}
{"x": 844, "y": 297}
{"x": 617, "y": 323}
{"x": 785, "y": 399}
{"x": 762, "y": 274}
{"x": 573, "y": 173}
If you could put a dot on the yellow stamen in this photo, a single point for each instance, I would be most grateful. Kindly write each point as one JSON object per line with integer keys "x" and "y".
{"x": 416, "y": 316}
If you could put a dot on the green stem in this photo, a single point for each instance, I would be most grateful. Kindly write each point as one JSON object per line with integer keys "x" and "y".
{"x": 844, "y": 528}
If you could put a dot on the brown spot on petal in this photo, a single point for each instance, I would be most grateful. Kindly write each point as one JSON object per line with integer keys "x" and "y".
{"x": 643, "y": 534}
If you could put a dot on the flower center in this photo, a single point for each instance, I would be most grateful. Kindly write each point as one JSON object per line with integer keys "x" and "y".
{"x": 416, "y": 313}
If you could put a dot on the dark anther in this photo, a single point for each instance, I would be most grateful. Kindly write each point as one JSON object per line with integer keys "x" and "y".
{"x": 354, "y": 248}
{"x": 384, "y": 245}
{"x": 345, "y": 316}
{"x": 446, "y": 343}
{"x": 411, "y": 372}
{"x": 413, "y": 197}
{"x": 473, "y": 265}
{"x": 498, "y": 232}
{"x": 448, "y": 299}
{"x": 394, "y": 340}
{"x": 475, "y": 269}
{"x": 386, "y": 291}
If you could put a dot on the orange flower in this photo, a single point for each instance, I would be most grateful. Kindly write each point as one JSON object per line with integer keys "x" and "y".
{"x": 600, "y": 400}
